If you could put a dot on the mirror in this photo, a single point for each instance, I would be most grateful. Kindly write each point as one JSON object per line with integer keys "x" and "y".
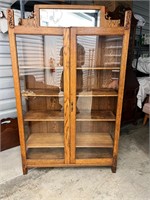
{"x": 69, "y": 18}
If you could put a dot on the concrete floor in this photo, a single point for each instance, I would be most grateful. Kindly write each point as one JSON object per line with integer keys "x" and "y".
{"x": 132, "y": 180}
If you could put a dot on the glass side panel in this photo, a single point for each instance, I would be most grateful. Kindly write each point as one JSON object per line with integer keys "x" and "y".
{"x": 69, "y": 18}
{"x": 97, "y": 82}
{"x": 42, "y": 91}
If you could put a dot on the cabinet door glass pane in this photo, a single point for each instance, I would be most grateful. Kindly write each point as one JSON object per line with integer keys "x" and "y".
{"x": 41, "y": 83}
{"x": 97, "y": 82}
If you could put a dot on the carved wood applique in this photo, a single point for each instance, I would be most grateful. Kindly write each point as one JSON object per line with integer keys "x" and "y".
{"x": 113, "y": 23}
{"x": 10, "y": 17}
{"x": 109, "y": 23}
{"x": 30, "y": 21}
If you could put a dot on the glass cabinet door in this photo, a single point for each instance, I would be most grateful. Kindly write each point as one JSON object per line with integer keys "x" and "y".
{"x": 41, "y": 73}
{"x": 97, "y": 70}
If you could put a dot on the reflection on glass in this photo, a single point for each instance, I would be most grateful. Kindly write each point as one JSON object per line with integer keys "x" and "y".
{"x": 39, "y": 62}
{"x": 40, "y": 74}
{"x": 97, "y": 81}
{"x": 69, "y": 18}
{"x": 98, "y": 71}
{"x": 101, "y": 51}
{"x": 102, "y": 60}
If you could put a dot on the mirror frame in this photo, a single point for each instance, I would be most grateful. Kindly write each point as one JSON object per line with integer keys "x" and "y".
{"x": 102, "y": 10}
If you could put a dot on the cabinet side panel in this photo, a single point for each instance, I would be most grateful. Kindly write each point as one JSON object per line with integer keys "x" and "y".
{"x": 121, "y": 86}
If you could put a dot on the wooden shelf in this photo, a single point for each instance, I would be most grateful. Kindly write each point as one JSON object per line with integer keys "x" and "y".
{"x": 45, "y": 140}
{"x": 41, "y": 93}
{"x": 96, "y": 116}
{"x": 38, "y": 67}
{"x": 89, "y": 140}
{"x": 98, "y": 68}
{"x": 56, "y": 140}
{"x": 59, "y": 116}
{"x": 99, "y": 93}
{"x": 44, "y": 116}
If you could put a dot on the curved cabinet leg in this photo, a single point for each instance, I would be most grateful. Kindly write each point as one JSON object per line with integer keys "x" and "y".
{"x": 114, "y": 164}
{"x": 113, "y": 169}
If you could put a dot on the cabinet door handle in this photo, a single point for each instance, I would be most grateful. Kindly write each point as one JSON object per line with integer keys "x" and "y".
{"x": 71, "y": 106}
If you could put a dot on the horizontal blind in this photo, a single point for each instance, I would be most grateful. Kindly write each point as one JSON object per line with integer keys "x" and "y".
{"x": 30, "y": 55}
{"x": 89, "y": 44}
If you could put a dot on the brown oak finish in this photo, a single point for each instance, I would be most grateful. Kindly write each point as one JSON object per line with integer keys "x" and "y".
{"x": 38, "y": 31}
{"x": 73, "y": 62}
{"x": 53, "y": 139}
{"x": 58, "y": 116}
{"x": 96, "y": 116}
{"x": 41, "y": 93}
{"x": 58, "y": 153}
{"x": 121, "y": 87}
{"x": 66, "y": 62}
{"x": 44, "y": 116}
{"x": 13, "y": 51}
{"x": 100, "y": 31}
{"x": 59, "y": 163}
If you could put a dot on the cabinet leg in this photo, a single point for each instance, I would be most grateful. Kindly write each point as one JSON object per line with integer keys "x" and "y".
{"x": 114, "y": 164}
{"x": 113, "y": 169}
{"x": 25, "y": 170}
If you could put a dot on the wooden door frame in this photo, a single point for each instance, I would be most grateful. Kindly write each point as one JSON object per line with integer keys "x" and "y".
{"x": 27, "y": 29}
{"x": 107, "y": 31}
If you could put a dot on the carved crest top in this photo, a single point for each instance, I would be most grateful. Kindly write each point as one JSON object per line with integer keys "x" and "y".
{"x": 34, "y": 19}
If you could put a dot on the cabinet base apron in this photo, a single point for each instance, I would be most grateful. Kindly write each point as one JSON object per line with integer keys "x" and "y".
{"x": 60, "y": 163}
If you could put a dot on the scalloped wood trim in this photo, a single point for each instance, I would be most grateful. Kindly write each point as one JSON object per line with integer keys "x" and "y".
{"x": 10, "y": 18}
{"x": 108, "y": 23}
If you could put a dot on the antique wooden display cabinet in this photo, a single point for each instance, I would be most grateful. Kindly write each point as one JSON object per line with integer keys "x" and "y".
{"x": 69, "y": 85}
